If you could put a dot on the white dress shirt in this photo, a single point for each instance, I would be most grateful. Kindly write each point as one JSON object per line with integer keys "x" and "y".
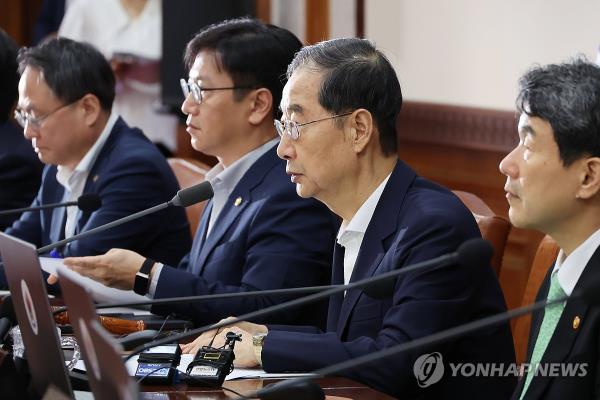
{"x": 569, "y": 269}
{"x": 351, "y": 235}
{"x": 74, "y": 180}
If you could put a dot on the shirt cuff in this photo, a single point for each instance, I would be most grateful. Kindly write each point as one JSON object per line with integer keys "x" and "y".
{"x": 154, "y": 282}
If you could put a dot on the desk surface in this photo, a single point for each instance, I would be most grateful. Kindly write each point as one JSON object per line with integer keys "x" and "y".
{"x": 335, "y": 386}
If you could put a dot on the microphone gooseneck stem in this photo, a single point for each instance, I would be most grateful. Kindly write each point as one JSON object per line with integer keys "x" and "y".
{"x": 37, "y": 208}
{"x": 118, "y": 222}
{"x": 256, "y": 293}
{"x": 438, "y": 261}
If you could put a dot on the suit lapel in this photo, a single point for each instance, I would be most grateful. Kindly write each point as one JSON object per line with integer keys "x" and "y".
{"x": 564, "y": 336}
{"x": 239, "y": 199}
{"x": 193, "y": 264}
{"x": 373, "y": 249}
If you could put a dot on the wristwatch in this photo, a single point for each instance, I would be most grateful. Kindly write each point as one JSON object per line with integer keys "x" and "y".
{"x": 140, "y": 285}
{"x": 257, "y": 343}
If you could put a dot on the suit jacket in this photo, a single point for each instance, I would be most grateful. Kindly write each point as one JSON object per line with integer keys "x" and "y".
{"x": 266, "y": 237}
{"x": 415, "y": 220}
{"x": 574, "y": 346}
{"x": 20, "y": 171}
{"x": 129, "y": 175}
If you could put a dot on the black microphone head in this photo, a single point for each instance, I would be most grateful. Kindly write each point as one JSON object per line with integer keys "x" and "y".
{"x": 7, "y": 310}
{"x": 288, "y": 390}
{"x": 193, "y": 194}
{"x": 89, "y": 202}
{"x": 474, "y": 253}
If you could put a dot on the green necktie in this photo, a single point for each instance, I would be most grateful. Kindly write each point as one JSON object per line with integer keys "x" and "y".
{"x": 551, "y": 317}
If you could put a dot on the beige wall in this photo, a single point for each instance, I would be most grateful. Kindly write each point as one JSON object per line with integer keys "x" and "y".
{"x": 471, "y": 52}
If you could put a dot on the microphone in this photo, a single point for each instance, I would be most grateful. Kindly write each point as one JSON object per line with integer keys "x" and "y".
{"x": 85, "y": 202}
{"x": 183, "y": 198}
{"x": 471, "y": 254}
{"x": 306, "y": 389}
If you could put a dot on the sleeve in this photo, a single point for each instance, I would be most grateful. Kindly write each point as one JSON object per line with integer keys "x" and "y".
{"x": 287, "y": 243}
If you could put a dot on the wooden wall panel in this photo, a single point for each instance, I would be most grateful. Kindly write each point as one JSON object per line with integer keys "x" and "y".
{"x": 460, "y": 148}
{"x": 17, "y": 18}
{"x": 317, "y": 21}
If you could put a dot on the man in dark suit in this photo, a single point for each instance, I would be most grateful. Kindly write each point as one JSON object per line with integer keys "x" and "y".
{"x": 553, "y": 185}
{"x": 338, "y": 136}
{"x": 20, "y": 169}
{"x": 255, "y": 234}
{"x": 65, "y": 96}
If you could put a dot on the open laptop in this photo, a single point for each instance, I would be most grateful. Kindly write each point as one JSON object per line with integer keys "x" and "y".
{"x": 105, "y": 368}
{"x": 38, "y": 330}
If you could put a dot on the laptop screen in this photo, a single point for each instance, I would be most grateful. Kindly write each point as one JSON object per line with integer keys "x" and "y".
{"x": 38, "y": 330}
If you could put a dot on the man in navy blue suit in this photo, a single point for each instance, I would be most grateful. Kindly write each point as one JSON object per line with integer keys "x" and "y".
{"x": 20, "y": 169}
{"x": 65, "y": 98}
{"x": 338, "y": 136}
{"x": 256, "y": 233}
{"x": 553, "y": 185}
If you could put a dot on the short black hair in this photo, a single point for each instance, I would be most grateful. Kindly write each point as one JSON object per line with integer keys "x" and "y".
{"x": 567, "y": 96}
{"x": 71, "y": 70}
{"x": 356, "y": 75}
{"x": 254, "y": 54}
{"x": 9, "y": 77}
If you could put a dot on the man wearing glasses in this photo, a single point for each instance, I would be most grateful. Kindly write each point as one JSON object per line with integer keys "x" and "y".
{"x": 256, "y": 233}
{"x": 338, "y": 136}
{"x": 66, "y": 92}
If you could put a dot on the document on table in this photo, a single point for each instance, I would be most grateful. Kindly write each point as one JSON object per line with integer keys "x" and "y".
{"x": 99, "y": 292}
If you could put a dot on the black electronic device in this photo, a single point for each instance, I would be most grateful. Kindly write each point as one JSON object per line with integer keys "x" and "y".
{"x": 157, "y": 366}
{"x": 211, "y": 365}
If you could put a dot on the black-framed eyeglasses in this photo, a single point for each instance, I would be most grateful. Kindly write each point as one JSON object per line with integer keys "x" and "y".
{"x": 196, "y": 90}
{"x": 24, "y": 118}
{"x": 292, "y": 128}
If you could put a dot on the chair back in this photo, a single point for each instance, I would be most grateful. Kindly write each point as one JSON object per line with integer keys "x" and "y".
{"x": 544, "y": 258}
{"x": 493, "y": 228}
{"x": 190, "y": 172}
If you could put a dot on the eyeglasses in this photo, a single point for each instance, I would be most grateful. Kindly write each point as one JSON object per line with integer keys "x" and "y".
{"x": 292, "y": 128}
{"x": 196, "y": 90}
{"x": 24, "y": 118}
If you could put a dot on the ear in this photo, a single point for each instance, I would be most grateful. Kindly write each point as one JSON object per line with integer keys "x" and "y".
{"x": 91, "y": 109}
{"x": 361, "y": 129}
{"x": 261, "y": 106}
{"x": 590, "y": 178}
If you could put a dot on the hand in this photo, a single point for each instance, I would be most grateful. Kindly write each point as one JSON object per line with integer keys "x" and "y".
{"x": 244, "y": 350}
{"x": 116, "y": 268}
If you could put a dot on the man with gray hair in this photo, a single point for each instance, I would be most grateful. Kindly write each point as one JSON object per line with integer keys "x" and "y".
{"x": 338, "y": 136}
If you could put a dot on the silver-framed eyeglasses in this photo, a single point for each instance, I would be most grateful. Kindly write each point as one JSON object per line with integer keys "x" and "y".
{"x": 292, "y": 128}
{"x": 25, "y": 118}
{"x": 196, "y": 90}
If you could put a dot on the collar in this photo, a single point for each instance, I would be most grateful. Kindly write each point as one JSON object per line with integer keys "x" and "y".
{"x": 360, "y": 221}
{"x": 64, "y": 174}
{"x": 569, "y": 269}
{"x": 227, "y": 178}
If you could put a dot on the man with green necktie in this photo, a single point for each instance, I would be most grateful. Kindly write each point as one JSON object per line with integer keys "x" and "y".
{"x": 553, "y": 185}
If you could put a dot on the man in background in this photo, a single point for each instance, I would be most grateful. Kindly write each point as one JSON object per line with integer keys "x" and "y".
{"x": 65, "y": 98}
{"x": 20, "y": 169}
{"x": 255, "y": 234}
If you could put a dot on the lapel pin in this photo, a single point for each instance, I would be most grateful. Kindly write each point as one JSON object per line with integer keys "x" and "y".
{"x": 95, "y": 178}
{"x": 237, "y": 201}
{"x": 576, "y": 322}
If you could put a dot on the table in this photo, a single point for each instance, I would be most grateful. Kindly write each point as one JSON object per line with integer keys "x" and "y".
{"x": 333, "y": 386}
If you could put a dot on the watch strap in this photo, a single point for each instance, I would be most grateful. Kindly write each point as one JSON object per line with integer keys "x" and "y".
{"x": 142, "y": 280}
